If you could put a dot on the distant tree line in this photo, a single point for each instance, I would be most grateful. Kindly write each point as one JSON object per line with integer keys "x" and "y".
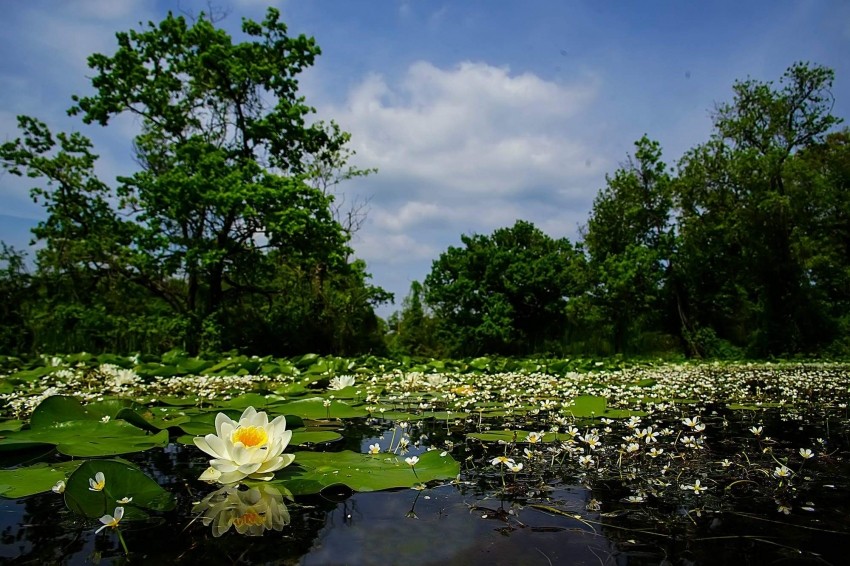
{"x": 742, "y": 249}
{"x": 228, "y": 237}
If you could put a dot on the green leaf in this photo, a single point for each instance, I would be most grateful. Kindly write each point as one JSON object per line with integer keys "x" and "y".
{"x": 38, "y": 478}
{"x": 314, "y": 408}
{"x": 122, "y": 480}
{"x": 595, "y": 406}
{"x": 87, "y": 438}
{"x": 59, "y": 409}
{"x": 314, "y": 471}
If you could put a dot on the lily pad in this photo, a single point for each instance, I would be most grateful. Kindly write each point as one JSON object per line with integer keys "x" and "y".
{"x": 87, "y": 438}
{"x": 314, "y": 471}
{"x": 595, "y": 406}
{"x": 122, "y": 480}
{"x": 59, "y": 409}
{"x": 38, "y": 478}
{"x": 314, "y": 408}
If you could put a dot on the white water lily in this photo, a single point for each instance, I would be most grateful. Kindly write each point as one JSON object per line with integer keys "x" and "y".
{"x": 250, "y": 512}
{"x": 341, "y": 382}
{"x": 250, "y": 448}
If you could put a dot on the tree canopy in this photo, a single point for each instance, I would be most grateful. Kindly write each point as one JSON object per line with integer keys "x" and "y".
{"x": 221, "y": 220}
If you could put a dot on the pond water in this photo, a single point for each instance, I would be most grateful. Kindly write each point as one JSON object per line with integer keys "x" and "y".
{"x": 671, "y": 465}
{"x": 544, "y": 514}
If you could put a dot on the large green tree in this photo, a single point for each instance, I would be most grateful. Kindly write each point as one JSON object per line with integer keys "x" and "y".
{"x": 503, "y": 293}
{"x": 742, "y": 221}
{"x": 222, "y": 201}
{"x": 629, "y": 238}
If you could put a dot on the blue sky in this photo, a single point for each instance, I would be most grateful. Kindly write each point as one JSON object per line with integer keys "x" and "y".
{"x": 476, "y": 113}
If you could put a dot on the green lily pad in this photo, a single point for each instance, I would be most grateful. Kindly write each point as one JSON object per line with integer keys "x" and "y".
{"x": 38, "y": 478}
{"x": 314, "y": 408}
{"x": 11, "y": 425}
{"x": 259, "y": 402}
{"x": 314, "y": 471}
{"x": 595, "y": 406}
{"x": 122, "y": 479}
{"x": 59, "y": 409}
{"x": 87, "y": 438}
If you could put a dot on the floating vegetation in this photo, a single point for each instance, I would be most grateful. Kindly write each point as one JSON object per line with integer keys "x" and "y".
{"x": 655, "y": 454}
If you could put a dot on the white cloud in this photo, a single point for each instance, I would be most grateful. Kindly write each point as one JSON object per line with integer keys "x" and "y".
{"x": 377, "y": 247}
{"x": 473, "y": 129}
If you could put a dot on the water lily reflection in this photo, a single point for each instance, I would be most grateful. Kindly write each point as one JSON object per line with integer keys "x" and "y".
{"x": 250, "y": 511}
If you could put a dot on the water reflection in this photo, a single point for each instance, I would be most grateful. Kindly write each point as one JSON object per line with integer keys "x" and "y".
{"x": 250, "y": 511}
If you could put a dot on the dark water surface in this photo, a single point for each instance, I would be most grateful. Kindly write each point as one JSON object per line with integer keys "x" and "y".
{"x": 535, "y": 519}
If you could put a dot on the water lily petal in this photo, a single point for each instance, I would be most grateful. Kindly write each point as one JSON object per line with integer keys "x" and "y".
{"x": 220, "y": 420}
{"x": 210, "y": 474}
{"x": 249, "y": 468}
{"x": 223, "y": 465}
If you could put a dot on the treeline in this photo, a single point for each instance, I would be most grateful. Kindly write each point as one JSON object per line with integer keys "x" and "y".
{"x": 227, "y": 235}
{"x": 741, "y": 249}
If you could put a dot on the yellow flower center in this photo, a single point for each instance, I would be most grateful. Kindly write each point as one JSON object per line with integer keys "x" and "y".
{"x": 250, "y": 436}
{"x": 249, "y": 519}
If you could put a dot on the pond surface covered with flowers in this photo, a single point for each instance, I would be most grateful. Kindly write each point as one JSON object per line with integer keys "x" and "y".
{"x": 113, "y": 460}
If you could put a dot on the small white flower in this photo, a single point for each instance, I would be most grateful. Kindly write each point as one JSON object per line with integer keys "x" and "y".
{"x": 124, "y": 500}
{"x": 501, "y": 460}
{"x": 59, "y": 487}
{"x": 412, "y": 460}
{"x": 111, "y": 520}
{"x": 374, "y": 448}
{"x": 105, "y": 419}
{"x": 98, "y": 482}
{"x": 806, "y": 453}
{"x": 782, "y": 472}
{"x": 514, "y": 467}
{"x": 756, "y": 430}
{"x": 696, "y": 487}
{"x": 534, "y": 437}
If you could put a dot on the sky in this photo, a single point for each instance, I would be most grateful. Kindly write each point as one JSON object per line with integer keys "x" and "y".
{"x": 475, "y": 113}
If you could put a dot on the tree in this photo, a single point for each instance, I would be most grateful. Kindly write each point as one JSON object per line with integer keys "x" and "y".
{"x": 413, "y": 330}
{"x": 504, "y": 293}
{"x": 741, "y": 220}
{"x": 630, "y": 240}
{"x": 221, "y": 201}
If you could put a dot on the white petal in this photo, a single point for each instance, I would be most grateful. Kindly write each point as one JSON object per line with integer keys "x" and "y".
{"x": 119, "y": 513}
{"x": 221, "y": 419}
{"x": 210, "y": 474}
{"x": 219, "y": 446}
{"x": 247, "y": 417}
{"x": 250, "y": 468}
{"x": 202, "y": 442}
{"x": 222, "y": 465}
{"x": 285, "y": 437}
{"x": 231, "y": 477}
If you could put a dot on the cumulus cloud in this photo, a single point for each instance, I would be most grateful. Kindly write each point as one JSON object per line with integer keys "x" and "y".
{"x": 464, "y": 150}
{"x": 474, "y": 128}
